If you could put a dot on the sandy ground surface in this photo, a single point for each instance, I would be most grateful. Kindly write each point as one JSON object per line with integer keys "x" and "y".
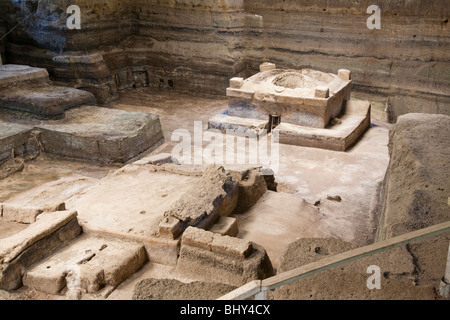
{"x": 129, "y": 204}
{"x": 314, "y": 175}
{"x": 46, "y": 169}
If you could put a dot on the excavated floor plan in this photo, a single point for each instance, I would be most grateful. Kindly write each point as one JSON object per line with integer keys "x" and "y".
{"x": 128, "y": 203}
{"x": 182, "y": 149}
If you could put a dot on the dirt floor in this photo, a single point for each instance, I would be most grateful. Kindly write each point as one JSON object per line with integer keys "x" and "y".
{"x": 169, "y": 289}
{"x": 46, "y": 169}
{"x": 339, "y": 187}
{"x": 312, "y": 174}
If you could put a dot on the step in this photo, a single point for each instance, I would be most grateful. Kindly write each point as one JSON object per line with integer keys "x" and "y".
{"x": 13, "y": 73}
{"x": 237, "y": 125}
{"x": 13, "y": 136}
{"x": 88, "y": 263}
{"x": 27, "y": 246}
{"x": 225, "y": 226}
{"x": 47, "y": 101}
{"x": 28, "y": 89}
{"x": 339, "y": 137}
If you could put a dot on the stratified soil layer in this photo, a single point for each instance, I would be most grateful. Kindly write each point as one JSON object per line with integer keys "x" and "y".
{"x": 199, "y": 45}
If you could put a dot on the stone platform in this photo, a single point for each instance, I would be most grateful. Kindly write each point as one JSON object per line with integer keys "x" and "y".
{"x": 13, "y": 73}
{"x": 92, "y": 261}
{"x": 302, "y": 97}
{"x": 86, "y": 133}
{"x": 305, "y": 107}
{"x": 101, "y": 134}
{"x": 133, "y": 202}
{"x": 154, "y": 204}
{"x": 15, "y": 137}
{"x": 28, "y": 89}
{"x": 338, "y": 137}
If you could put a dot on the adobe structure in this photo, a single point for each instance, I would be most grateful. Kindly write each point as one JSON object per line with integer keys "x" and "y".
{"x": 304, "y": 107}
{"x": 111, "y": 186}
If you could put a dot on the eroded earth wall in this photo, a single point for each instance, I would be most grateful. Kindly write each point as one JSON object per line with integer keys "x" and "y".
{"x": 415, "y": 194}
{"x": 198, "y": 45}
{"x": 416, "y": 188}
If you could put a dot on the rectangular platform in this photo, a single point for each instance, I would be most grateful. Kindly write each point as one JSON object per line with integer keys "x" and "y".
{"x": 13, "y": 73}
{"x": 28, "y": 89}
{"x": 338, "y": 137}
{"x": 101, "y": 134}
{"x": 86, "y": 133}
{"x": 13, "y": 139}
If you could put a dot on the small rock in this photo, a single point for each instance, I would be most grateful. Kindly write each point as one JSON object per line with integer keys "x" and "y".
{"x": 334, "y": 198}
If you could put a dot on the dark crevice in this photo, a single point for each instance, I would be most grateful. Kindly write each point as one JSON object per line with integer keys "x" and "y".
{"x": 415, "y": 262}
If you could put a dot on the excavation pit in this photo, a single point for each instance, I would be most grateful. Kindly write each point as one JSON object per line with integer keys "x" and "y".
{"x": 164, "y": 252}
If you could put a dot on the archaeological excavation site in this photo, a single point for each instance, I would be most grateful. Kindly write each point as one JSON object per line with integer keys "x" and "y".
{"x": 224, "y": 150}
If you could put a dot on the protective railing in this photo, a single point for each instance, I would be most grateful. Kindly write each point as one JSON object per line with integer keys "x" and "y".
{"x": 259, "y": 288}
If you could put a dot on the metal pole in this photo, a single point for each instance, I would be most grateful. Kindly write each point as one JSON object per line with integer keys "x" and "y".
{"x": 262, "y": 295}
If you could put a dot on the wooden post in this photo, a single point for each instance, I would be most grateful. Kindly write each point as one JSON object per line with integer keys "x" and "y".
{"x": 444, "y": 288}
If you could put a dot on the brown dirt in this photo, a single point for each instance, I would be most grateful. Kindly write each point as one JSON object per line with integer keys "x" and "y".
{"x": 47, "y": 168}
{"x": 25, "y": 293}
{"x": 169, "y": 289}
{"x": 349, "y": 281}
{"x": 10, "y": 167}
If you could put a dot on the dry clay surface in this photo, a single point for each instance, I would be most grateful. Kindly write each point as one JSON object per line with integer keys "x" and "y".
{"x": 130, "y": 202}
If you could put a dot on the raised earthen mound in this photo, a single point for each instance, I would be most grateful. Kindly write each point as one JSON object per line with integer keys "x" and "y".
{"x": 417, "y": 182}
{"x": 349, "y": 281}
{"x": 204, "y": 197}
{"x": 416, "y": 189}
